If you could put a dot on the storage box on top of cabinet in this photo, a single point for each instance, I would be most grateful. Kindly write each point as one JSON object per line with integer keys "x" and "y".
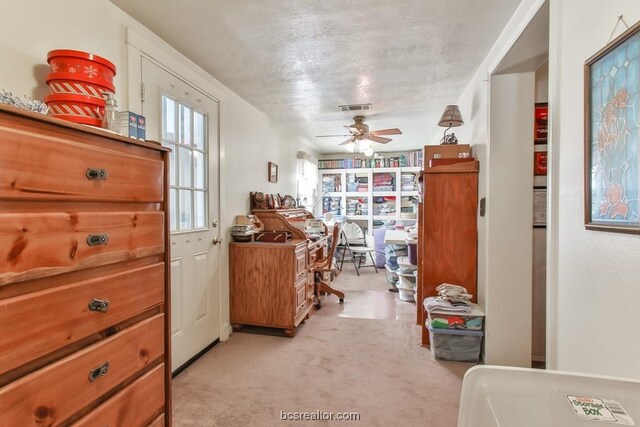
{"x": 84, "y": 286}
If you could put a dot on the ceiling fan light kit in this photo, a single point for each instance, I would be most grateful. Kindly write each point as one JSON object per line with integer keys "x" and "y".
{"x": 450, "y": 118}
{"x": 360, "y": 135}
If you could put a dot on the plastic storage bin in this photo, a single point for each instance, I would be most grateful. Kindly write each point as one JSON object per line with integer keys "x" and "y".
{"x": 503, "y": 396}
{"x": 450, "y": 320}
{"x": 454, "y": 344}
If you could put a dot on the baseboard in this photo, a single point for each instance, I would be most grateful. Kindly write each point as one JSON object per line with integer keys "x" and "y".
{"x": 194, "y": 358}
{"x": 225, "y": 331}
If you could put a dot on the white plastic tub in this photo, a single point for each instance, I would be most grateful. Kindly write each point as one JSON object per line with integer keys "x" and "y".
{"x": 502, "y": 396}
{"x": 406, "y": 294}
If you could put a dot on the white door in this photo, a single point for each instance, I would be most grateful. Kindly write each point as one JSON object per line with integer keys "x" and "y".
{"x": 186, "y": 120}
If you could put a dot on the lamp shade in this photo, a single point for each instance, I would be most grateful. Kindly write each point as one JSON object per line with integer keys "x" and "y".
{"x": 451, "y": 117}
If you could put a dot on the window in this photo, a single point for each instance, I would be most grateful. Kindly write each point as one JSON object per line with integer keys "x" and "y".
{"x": 307, "y": 178}
{"x": 184, "y": 131}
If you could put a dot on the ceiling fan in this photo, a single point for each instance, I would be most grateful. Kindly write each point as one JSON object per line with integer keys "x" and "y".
{"x": 359, "y": 131}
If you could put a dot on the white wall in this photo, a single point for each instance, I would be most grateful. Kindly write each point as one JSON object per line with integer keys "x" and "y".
{"x": 598, "y": 293}
{"x": 248, "y": 138}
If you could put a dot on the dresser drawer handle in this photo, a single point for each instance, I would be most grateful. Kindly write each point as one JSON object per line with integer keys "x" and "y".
{"x": 101, "y": 305}
{"x": 100, "y": 371}
{"x": 97, "y": 239}
{"x": 97, "y": 174}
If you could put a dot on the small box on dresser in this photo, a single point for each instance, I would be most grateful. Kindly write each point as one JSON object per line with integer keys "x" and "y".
{"x": 84, "y": 284}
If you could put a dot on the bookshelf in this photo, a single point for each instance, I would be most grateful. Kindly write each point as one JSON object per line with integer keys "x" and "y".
{"x": 408, "y": 159}
{"x": 369, "y": 196}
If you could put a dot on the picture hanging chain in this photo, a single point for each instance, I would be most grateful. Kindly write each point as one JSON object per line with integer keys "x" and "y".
{"x": 620, "y": 18}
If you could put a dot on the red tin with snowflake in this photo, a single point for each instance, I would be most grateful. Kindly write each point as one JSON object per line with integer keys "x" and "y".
{"x": 87, "y": 65}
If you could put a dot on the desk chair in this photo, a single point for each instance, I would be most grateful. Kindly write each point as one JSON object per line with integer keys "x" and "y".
{"x": 355, "y": 241}
{"x": 325, "y": 265}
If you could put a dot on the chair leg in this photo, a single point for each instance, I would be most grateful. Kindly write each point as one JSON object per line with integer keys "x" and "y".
{"x": 316, "y": 293}
{"x": 373, "y": 261}
{"x": 353, "y": 258}
{"x": 324, "y": 286}
{"x": 342, "y": 259}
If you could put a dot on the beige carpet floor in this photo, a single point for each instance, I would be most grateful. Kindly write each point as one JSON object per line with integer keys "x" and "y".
{"x": 337, "y": 362}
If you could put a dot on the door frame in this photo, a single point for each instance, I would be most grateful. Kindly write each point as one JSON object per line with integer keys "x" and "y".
{"x": 166, "y": 57}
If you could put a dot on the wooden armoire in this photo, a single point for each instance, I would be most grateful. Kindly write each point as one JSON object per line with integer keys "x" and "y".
{"x": 448, "y": 231}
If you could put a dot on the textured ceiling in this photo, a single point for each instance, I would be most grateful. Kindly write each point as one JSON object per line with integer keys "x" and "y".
{"x": 297, "y": 60}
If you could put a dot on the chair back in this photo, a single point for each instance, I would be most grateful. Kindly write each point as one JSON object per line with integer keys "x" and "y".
{"x": 353, "y": 234}
{"x": 326, "y": 262}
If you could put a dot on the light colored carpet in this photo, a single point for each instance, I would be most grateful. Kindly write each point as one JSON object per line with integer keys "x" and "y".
{"x": 375, "y": 367}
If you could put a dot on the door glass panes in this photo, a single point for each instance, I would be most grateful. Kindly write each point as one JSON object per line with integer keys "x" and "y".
{"x": 199, "y": 209}
{"x": 185, "y": 125}
{"x": 173, "y": 167}
{"x": 198, "y": 170}
{"x": 198, "y": 130}
{"x": 186, "y": 212}
{"x": 184, "y": 158}
{"x": 168, "y": 119}
{"x": 187, "y": 163}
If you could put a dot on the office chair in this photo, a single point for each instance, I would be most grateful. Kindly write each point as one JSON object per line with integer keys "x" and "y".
{"x": 325, "y": 265}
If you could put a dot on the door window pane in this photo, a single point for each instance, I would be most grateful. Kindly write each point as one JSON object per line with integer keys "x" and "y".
{"x": 168, "y": 119}
{"x": 185, "y": 125}
{"x": 173, "y": 213}
{"x": 186, "y": 214}
{"x": 184, "y": 157}
{"x": 200, "y": 209}
{"x": 173, "y": 166}
{"x": 198, "y": 169}
{"x": 199, "y": 131}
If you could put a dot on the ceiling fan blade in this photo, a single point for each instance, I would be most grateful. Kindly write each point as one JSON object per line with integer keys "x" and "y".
{"x": 348, "y": 141}
{"x": 330, "y": 136}
{"x": 377, "y": 139}
{"x": 394, "y": 131}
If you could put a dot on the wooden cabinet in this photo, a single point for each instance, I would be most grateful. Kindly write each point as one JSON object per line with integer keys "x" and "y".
{"x": 84, "y": 285}
{"x": 448, "y": 232}
{"x": 269, "y": 284}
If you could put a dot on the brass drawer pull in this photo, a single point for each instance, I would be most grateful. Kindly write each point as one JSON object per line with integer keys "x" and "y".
{"x": 100, "y": 371}
{"x": 101, "y": 305}
{"x": 97, "y": 174}
{"x": 97, "y": 239}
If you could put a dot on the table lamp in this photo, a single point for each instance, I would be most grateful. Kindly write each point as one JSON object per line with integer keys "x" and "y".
{"x": 450, "y": 118}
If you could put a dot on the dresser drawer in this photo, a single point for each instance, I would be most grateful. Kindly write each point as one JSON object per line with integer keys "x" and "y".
{"x": 56, "y": 317}
{"x": 301, "y": 262}
{"x": 52, "y": 394}
{"x": 44, "y": 167}
{"x": 44, "y": 244}
{"x": 134, "y": 406}
{"x": 301, "y": 296}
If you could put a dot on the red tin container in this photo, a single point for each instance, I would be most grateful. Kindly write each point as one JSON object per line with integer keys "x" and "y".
{"x": 76, "y": 108}
{"x": 78, "y": 85}
{"x": 85, "y": 64}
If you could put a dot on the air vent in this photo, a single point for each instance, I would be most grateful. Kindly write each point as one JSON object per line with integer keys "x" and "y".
{"x": 354, "y": 107}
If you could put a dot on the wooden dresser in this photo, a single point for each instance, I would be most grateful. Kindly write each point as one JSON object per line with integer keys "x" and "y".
{"x": 271, "y": 284}
{"x": 448, "y": 232}
{"x": 84, "y": 285}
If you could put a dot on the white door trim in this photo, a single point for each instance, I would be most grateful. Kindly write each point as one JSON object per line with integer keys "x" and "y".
{"x": 156, "y": 50}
